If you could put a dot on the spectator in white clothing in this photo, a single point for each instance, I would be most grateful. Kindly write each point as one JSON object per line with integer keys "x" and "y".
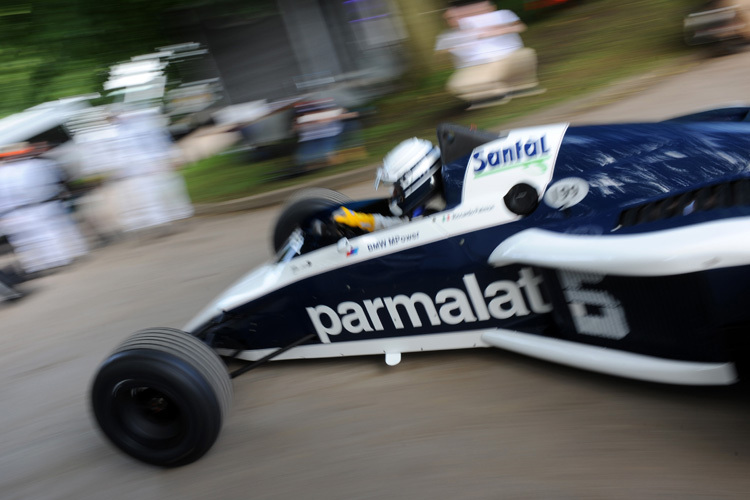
{"x": 32, "y": 216}
{"x": 149, "y": 191}
{"x": 491, "y": 61}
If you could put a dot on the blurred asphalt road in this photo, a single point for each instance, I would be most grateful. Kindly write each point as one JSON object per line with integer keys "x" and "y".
{"x": 480, "y": 424}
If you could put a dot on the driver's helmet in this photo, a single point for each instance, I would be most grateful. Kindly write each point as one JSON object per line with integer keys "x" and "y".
{"x": 410, "y": 168}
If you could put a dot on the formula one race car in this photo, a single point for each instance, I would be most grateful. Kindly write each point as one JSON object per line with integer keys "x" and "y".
{"x": 622, "y": 249}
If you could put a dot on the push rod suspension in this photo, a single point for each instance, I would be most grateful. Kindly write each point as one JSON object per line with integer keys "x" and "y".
{"x": 269, "y": 357}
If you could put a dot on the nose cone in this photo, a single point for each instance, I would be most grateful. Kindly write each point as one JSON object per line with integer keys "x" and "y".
{"x": 249, "y": 287}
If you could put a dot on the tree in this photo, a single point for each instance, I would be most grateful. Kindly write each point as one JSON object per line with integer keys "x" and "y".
{"x": 52, "y": 49}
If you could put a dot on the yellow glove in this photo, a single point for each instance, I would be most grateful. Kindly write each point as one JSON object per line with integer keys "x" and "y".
{"x": 361, "y": 220}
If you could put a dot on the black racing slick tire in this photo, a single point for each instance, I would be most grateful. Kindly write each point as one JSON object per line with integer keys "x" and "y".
{"x": 301, "y": 207}
{"x": 161, "y": 397}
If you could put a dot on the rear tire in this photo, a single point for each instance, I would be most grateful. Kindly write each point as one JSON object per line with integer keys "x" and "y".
{"x": 300, "y": 208}
{"x": 161, "y": 397}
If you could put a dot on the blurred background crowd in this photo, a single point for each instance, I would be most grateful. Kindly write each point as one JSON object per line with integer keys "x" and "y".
{"x": 115, "y": 115}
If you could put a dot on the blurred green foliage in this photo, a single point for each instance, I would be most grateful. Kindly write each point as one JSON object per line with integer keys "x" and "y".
{"x": 52, "y": 49}
{"x": 57, "y": 48}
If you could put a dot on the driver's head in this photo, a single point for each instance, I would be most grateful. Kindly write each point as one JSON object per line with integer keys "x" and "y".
{"x": 410, "y": 168}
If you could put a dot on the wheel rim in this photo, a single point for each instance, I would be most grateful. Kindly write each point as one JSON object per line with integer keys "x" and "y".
{"x": 149, "y": 415}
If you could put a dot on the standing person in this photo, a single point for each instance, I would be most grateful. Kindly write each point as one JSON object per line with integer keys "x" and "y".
{"x": 319, "y": 125}
{"x": 149, "y": 192}
{"x": 492, "y": 64}
{"x": 38, "y": 226}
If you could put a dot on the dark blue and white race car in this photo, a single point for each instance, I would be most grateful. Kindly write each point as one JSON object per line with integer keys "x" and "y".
{"x": 622, "y": 249}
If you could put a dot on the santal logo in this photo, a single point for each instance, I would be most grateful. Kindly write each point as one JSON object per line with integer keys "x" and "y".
{"x": 451, "y": 306}
{"x": 521, "y": 154}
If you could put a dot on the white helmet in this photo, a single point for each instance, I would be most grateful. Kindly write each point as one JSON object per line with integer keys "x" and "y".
{"x": 410, "y": 168}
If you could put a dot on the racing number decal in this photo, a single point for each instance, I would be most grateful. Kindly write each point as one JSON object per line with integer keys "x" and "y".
{"x": 594, "y": 312}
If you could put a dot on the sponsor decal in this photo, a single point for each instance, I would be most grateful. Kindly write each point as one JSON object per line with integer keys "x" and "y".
{"x": 352, "y": 251}
{"x": 524, "y": 154}
{"x": 566, "y": 192}
{"x": 462, "y": 214}
{"x": 451, "y": 306}
{"x": 392, "y": 241}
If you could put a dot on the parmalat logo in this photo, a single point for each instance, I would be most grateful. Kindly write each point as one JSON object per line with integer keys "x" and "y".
{"x": 450, "y": 306}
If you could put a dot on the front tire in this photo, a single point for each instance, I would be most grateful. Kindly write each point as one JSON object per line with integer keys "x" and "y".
{"x": 161, "y": 397}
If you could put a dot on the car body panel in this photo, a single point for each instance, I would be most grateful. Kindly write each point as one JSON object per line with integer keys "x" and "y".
{"x": 633, "y": 263}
